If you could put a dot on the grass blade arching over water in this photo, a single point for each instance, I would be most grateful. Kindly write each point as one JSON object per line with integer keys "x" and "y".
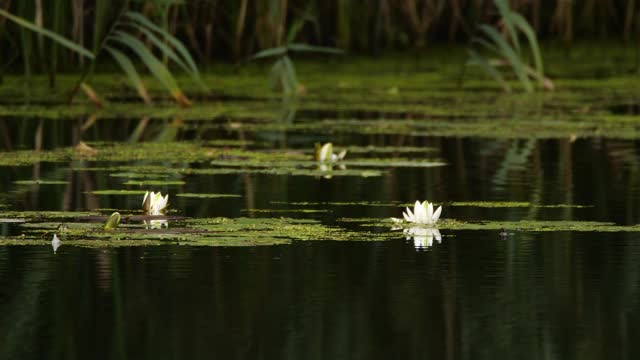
{"x": 50, "y": 34}
{"x": 129, "y": 69}
{"x": 508, "y": 50}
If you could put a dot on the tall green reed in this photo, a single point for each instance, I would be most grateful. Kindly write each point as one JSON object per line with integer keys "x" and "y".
{"x": 129, "y": 33}
{"x": 508, "y": 50}
{"x": 122, "y": 40}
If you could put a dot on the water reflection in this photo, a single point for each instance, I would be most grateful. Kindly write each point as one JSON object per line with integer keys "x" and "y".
{"x": 328, "y": 168}
{"x": 476, "y": 296}
{"x": 55, "y": 243}
{"x": 156, "y": 224}
{"x": 422, "y": 237}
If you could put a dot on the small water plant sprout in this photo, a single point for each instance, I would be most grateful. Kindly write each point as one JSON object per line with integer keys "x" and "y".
{"x": 113, "y": 221}
{"x": 154, "y": 203}
{"x": 324, "y": 153}
{"x": 422, "y": 214}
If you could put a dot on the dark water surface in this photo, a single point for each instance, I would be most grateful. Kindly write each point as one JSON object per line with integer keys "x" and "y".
{"x": 475, "y": 295}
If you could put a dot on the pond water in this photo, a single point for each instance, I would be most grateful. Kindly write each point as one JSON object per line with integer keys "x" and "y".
{"x": 268, "y": 255}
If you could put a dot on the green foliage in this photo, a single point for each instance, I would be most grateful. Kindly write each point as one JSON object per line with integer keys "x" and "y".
{"x": 126, "y": 36}
{"x": 508, "y": 50}
{"x": 121, "y": 36}
{"x": 283, "y": 72}
{"x": 25, "y": 24}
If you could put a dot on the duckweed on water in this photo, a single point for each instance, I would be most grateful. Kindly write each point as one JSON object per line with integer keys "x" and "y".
{"x": 199, "y": 232}
{"x": 239, "y": 169}
{"x": 265, "y": 231}
{"x": 223, "y": 160}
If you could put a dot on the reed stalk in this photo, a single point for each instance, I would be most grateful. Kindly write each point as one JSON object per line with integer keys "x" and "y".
{"x": 235, "y": 29}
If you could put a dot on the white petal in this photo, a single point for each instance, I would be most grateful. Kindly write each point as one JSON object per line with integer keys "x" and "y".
{"x": 146, "y": 195}
{"x": 429, "y": 214}
{"x": 436, "y": 233}
{"x": 419, "y": 213}
{"x": 165, "y": 202}
{"x": 409, "y": 216}
{"x": 325, "y": 152}
{"x": 436, "y": 215}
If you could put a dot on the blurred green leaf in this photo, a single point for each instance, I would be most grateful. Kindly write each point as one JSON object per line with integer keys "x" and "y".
{"x": 50, "y": 34}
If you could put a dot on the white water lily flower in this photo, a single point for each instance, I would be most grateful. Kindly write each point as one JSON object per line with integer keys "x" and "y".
{"x": 422, "y": 214}
{"x": 324, "y": 153}
{"x": 154, "y": 203}
{"x": 423, "y": 237}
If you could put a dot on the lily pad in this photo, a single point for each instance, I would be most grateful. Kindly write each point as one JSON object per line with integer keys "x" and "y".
{"x": 118, "y": 192}
{"x": 196, "y": 232}
{"x": 45, "y": 215}
{"x": 337, "y": 203}
{"x": 517, "y": 226}
{"x": 133, "y": 175}
{"x": 40, "y": 182}
{"x": 207, "y": 195}
{"x": 268, "y": 211}
{"x": 388, "y": 149}
{"x": 154, "y": 182}
{"x": 510, "y": 204}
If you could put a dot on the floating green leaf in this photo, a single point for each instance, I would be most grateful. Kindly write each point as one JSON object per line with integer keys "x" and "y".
{"x": 207, "y": 195}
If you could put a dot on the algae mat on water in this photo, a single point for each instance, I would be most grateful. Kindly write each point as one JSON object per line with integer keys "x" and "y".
{"x": 177, "y": 157}
{"x": 195, "y": 232}
{"x": 85, "y": 229}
